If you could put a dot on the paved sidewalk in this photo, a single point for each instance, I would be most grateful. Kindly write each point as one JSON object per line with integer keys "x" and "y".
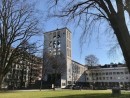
{"x": 34, "y": 90}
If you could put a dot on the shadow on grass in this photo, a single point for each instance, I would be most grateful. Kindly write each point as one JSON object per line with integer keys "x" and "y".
{"x": 93, "y": 96}
{"x": 7, "y": 91}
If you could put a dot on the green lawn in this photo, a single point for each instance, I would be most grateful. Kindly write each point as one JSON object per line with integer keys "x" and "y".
{"x": 63, "y": 94}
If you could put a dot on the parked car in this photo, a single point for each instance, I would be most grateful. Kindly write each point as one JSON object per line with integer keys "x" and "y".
{"x": 76, "y": 87}
{"x": 69, "y": 87}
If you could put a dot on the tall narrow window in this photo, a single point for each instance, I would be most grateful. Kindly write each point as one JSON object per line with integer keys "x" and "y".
{"x": 69, "y": 44}
{"x": 58, "y": 34}
{"x": 67, "y": 34}
{"x": 70, "y": 53}
{"x": 58, "y": 43}
{"x": 54, "y": 35}
{"x": 50, "y": 44}
{"x": 54, "y": 44}
{"x": 67, "y": 51}
{"x": 70, "y": 36}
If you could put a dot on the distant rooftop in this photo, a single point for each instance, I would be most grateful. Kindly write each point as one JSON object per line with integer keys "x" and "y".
{"x": 108, "y": 66}
{"x": 78, "y": 63}
{"x": 57, "y": 30}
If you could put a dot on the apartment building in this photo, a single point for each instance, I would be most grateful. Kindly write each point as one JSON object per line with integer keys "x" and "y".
{"x": 24, "y": 73}
{"x": 109, "y": 76}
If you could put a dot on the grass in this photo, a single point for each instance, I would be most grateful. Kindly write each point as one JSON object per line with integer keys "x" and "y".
{"x": 63, "y": 94}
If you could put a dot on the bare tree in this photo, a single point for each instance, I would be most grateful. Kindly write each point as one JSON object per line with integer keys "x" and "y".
{"x": 35, "y": 64}
{"x": 91, "y": 62}
{"x": 46, "y": 64}
{"x": 17, "y": 25}
{"x": 94, "y": 13}
{"x": 53, "y": 67}
{"x": 58, "y": 66}
{"x": 28, "y": 65}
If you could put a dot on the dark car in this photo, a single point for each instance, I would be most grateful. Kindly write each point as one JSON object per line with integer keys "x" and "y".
{"x": 76, "y": 87}
{"x": 69, "y": 86}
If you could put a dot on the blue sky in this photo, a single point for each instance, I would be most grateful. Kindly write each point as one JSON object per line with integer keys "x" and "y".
{"x": 99, "y": 47}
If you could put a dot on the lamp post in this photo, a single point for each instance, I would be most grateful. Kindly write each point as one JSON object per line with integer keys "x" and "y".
{"x": 41, "y": 78}
{"x": 42, "y": 71}
{"x": 41, "y": 82}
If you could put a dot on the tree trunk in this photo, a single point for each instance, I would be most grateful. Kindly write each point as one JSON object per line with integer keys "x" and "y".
{"x": 124, "y": 41}
{"x": 123, "y": 38}
{"x": 1, "y": 79}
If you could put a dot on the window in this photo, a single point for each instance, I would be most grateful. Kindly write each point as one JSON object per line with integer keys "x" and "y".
{"x": 126, "y": 72}
{"x": 67, "y": 43}
{"x": 67, "y": 51}
{"x": 69, "y": 82}
{"x": 50, "y": 51}
{"x": 114, "y": 73}
{"x": 58, "y": 43}
{"x": 58, "y": 34}
{"x": 103, "y": 73}
{"x": 58, "y": 53}
{"x": 110, "y": 73}
{"x": 96, "y": 73}
{"x": 122, "y": 73}
{"x": 54, "y": 44}
{"x": 63, "y": 84}
{"x": 67, "y": 34}
{"x": 54, "y": 50}
{"x": 118, "y": 73}
{"x": 54, "y": 53}
{"x": 58, "y": 49}
{"x": 50, "y": 44}
{"x": 54, "y": 35}
{"x": 70, "y": 53}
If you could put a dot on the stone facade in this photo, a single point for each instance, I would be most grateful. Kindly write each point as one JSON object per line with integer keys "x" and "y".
{"x": 59, "y": 42}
